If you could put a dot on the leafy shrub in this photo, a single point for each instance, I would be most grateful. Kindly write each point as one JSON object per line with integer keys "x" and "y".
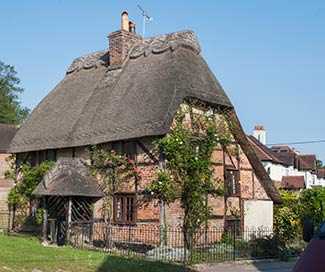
{"x": 286, "y": 223}
{"x": 269, "y": 246}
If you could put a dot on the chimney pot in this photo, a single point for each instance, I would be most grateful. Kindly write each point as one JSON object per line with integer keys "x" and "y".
{"x": 125, "y": 21}
{"x": 132, "y": 27}
{"x": 121, "y": 41}
{"x": 260, "y": 134}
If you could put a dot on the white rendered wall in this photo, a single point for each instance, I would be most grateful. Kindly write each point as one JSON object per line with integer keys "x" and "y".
{"x": 260, "y": 135}
{"x": 258, "y": 213}
{"x": 275, "y": 170}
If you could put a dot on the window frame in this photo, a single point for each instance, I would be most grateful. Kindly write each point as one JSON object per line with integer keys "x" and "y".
{"x": 125, "y": 197}
{"x": 232, "y": 182}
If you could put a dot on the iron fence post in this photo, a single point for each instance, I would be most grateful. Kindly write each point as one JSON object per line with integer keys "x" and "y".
{"x": 234, "y": 234}
{"x": 129, "y": 243}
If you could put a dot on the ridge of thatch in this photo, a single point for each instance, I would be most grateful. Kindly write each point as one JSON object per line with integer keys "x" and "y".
{"x": 69, "y": 177}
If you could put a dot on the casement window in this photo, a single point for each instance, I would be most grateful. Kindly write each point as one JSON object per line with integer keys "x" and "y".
{"x": 232, "y": 181}
{"x": 124, "y": 208}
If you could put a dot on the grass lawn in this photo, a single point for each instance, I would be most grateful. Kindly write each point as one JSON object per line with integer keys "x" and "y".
{"x": 28, "y": 254}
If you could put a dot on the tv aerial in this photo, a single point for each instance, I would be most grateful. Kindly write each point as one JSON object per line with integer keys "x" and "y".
{"x": 146, "y": 17}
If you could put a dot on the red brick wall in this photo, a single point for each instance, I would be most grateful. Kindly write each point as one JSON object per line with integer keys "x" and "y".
{"x": 120, "y": 43}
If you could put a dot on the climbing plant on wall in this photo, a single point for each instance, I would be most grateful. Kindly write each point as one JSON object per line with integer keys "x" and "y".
{"x": 26, "y": 179}
{"x": 112, "y": 169}
{"x": 189, "y": 175}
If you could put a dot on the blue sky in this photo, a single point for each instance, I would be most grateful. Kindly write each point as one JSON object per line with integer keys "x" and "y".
{"x": 269, "y": 56}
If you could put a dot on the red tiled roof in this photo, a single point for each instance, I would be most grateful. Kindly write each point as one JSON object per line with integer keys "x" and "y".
{"x": 287, "y": 157}
{"x": 321, "y": 173}
{"x": 262, "y": 151}
{"x": 292, "y": 182}
{"x": 307, "y": 162}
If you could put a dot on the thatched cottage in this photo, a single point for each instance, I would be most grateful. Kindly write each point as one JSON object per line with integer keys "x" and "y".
{"x": 123, "y": 98}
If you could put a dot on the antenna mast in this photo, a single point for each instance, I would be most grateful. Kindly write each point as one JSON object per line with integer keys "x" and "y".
{"x": 146, "y": 17}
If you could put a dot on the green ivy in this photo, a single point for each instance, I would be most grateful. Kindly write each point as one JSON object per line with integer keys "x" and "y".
{"x": 20, "y": 194}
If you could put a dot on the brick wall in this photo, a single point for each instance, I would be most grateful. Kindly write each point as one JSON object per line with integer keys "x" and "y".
{"x": 3, "y": 164}
{"x": 120, "y": 43}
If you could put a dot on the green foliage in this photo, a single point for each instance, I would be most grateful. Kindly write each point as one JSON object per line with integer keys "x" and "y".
{"x": 39, "y": 216}
{"x": 296, "y": 208}
{"x": 286, "y": 223}
{"x": 310, "y": 205}
{"x": 163, "y": 187}
{"x": 11, "y": 112}
{"x": 269, "y": 246}
{"x": 20, "y": 194}
{"x": 190, "y": 171}
{"x": 319, "y": 164}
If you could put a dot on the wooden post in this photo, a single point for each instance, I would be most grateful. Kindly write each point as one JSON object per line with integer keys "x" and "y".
{"x": 69, "y": 217}
{"x": 162, "y": 213}
{"x": 45, "y": 218}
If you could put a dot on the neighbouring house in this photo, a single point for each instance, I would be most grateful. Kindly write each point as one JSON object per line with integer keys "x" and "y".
{"x": 272, "y": 164}
{"x": 281, "y": 162}
{"x": 7, "y": 132}
{"x": 292, "y": 183}
{"x": 321, "y": 176}
{"x": 124, "y": 98}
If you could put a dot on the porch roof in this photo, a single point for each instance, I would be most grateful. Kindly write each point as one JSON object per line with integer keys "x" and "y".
{"x": 69, "y": 177}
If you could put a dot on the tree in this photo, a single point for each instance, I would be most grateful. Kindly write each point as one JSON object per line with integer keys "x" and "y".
{"x": 11, "y": 111}
{"x": 319, "y": 164}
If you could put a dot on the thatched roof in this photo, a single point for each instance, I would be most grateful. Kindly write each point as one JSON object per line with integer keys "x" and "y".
{"x": 7, "y": 132}
{"x": 96, "y": 103}
{"x": 69, "y": 177}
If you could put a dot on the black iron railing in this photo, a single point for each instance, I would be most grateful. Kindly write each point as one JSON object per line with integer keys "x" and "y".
{"x": 167, "y": 243}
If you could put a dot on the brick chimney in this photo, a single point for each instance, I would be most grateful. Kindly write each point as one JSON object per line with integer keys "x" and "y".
{"x": 121, "y": 41}
{"x": 260, "y": 134}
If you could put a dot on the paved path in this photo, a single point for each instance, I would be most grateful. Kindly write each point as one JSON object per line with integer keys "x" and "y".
{"x": 254, "y": 267}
